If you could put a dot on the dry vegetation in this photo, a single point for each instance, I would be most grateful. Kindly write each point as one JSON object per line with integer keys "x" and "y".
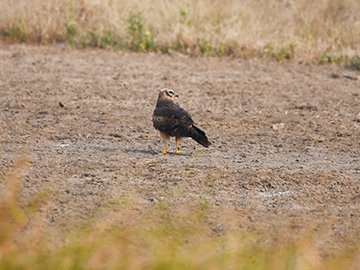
{"x": 140, "y": 238}
{"x": 327, "y": 31}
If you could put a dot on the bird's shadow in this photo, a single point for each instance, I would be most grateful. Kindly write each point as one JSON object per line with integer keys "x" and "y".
{"x": 156, "y": 153}
{"x": 142, "y": 151}
{"x": 173, "y": 154}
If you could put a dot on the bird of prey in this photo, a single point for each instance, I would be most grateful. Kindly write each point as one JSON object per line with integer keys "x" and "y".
{"x": 173, "y": 121}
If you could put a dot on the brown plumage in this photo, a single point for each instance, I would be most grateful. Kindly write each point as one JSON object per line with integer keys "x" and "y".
{"x": 173, "y": 121}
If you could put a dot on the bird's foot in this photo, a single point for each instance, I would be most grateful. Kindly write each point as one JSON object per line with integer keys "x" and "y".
{"x": 177, "y": 152}
{"x": 163, "y": 153}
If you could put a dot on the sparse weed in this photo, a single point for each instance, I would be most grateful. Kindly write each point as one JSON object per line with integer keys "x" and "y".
{"x": 208, "y": 50}
{"x": 103, "y": 41}
{"x": 355, "y": 63}
{"x": 327, "y": 58}
{"x": 205, "y": 48}
{"x": 109, "y": 40}
{"x": 70, "y": 32}
{"x": 284, "y": 53}
{"x": 269, "y": 49}
{"x": 184, "y": 16}
{"x": 17, "y": 31}
{"x": 141, "y": 39}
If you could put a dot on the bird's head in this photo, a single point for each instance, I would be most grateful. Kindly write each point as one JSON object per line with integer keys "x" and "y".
{"x": 167, "y": 94}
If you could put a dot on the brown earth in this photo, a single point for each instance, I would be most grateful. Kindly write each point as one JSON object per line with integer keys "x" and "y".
{"x": 286, "y": 138}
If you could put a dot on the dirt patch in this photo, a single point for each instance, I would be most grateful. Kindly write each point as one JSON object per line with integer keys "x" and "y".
{"x": 286, "y": 144}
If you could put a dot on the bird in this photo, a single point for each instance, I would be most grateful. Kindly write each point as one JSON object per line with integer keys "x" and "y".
{"x": 173, "y": 121}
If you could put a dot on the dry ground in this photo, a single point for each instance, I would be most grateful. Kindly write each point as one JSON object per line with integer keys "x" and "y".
{"x": 286, "y": 144}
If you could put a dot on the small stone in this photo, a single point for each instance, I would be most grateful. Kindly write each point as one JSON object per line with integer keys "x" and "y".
{"x": 116, "y": 135}
{"x": 278, "y": 126}
{"x": 357, "y": 118}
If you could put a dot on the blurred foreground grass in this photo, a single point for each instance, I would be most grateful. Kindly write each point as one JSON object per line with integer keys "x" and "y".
{"x": 325, "y": 31}
{"x": 134, "y": 237}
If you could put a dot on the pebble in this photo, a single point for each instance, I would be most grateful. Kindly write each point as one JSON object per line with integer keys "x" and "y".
{"x": 357, "y": 118}
{"x": 278, "y": 126}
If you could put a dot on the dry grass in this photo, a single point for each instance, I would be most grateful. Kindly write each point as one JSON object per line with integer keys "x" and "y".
{"x": 326, "y": 30}
{"x": 131, "y": 237}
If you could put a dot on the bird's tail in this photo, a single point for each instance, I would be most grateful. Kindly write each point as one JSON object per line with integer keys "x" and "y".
{"x": 198, "y": 135}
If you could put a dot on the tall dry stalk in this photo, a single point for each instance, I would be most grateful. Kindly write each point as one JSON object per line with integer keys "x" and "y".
{"x": 310, "y": 28}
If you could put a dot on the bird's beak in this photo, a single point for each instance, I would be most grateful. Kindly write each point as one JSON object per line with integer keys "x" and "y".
{"x": 176, "y": 95}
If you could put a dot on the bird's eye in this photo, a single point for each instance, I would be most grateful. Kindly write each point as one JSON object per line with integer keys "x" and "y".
{"x": 171, "y": 92}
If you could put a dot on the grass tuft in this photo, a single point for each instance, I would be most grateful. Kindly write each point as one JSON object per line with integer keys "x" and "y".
{"x": 327, "y": 58}
{"x": 280, "y": 54}
{"x": 14, "y": 32}
{"x": 141, "y": 39}
{"x": 355, "y": 63}
{"x": 70, "y": 33}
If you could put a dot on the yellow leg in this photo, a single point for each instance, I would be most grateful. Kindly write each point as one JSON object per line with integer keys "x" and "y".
{"x": 177, "y": 151}
{"x": 165, "y": 150}
{"x": 166, "y": 139}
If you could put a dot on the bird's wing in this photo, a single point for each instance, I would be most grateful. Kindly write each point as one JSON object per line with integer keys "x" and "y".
{"x": 172, "y": 119}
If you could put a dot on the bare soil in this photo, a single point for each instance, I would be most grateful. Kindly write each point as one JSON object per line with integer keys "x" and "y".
{"x": 285, "y": 136}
